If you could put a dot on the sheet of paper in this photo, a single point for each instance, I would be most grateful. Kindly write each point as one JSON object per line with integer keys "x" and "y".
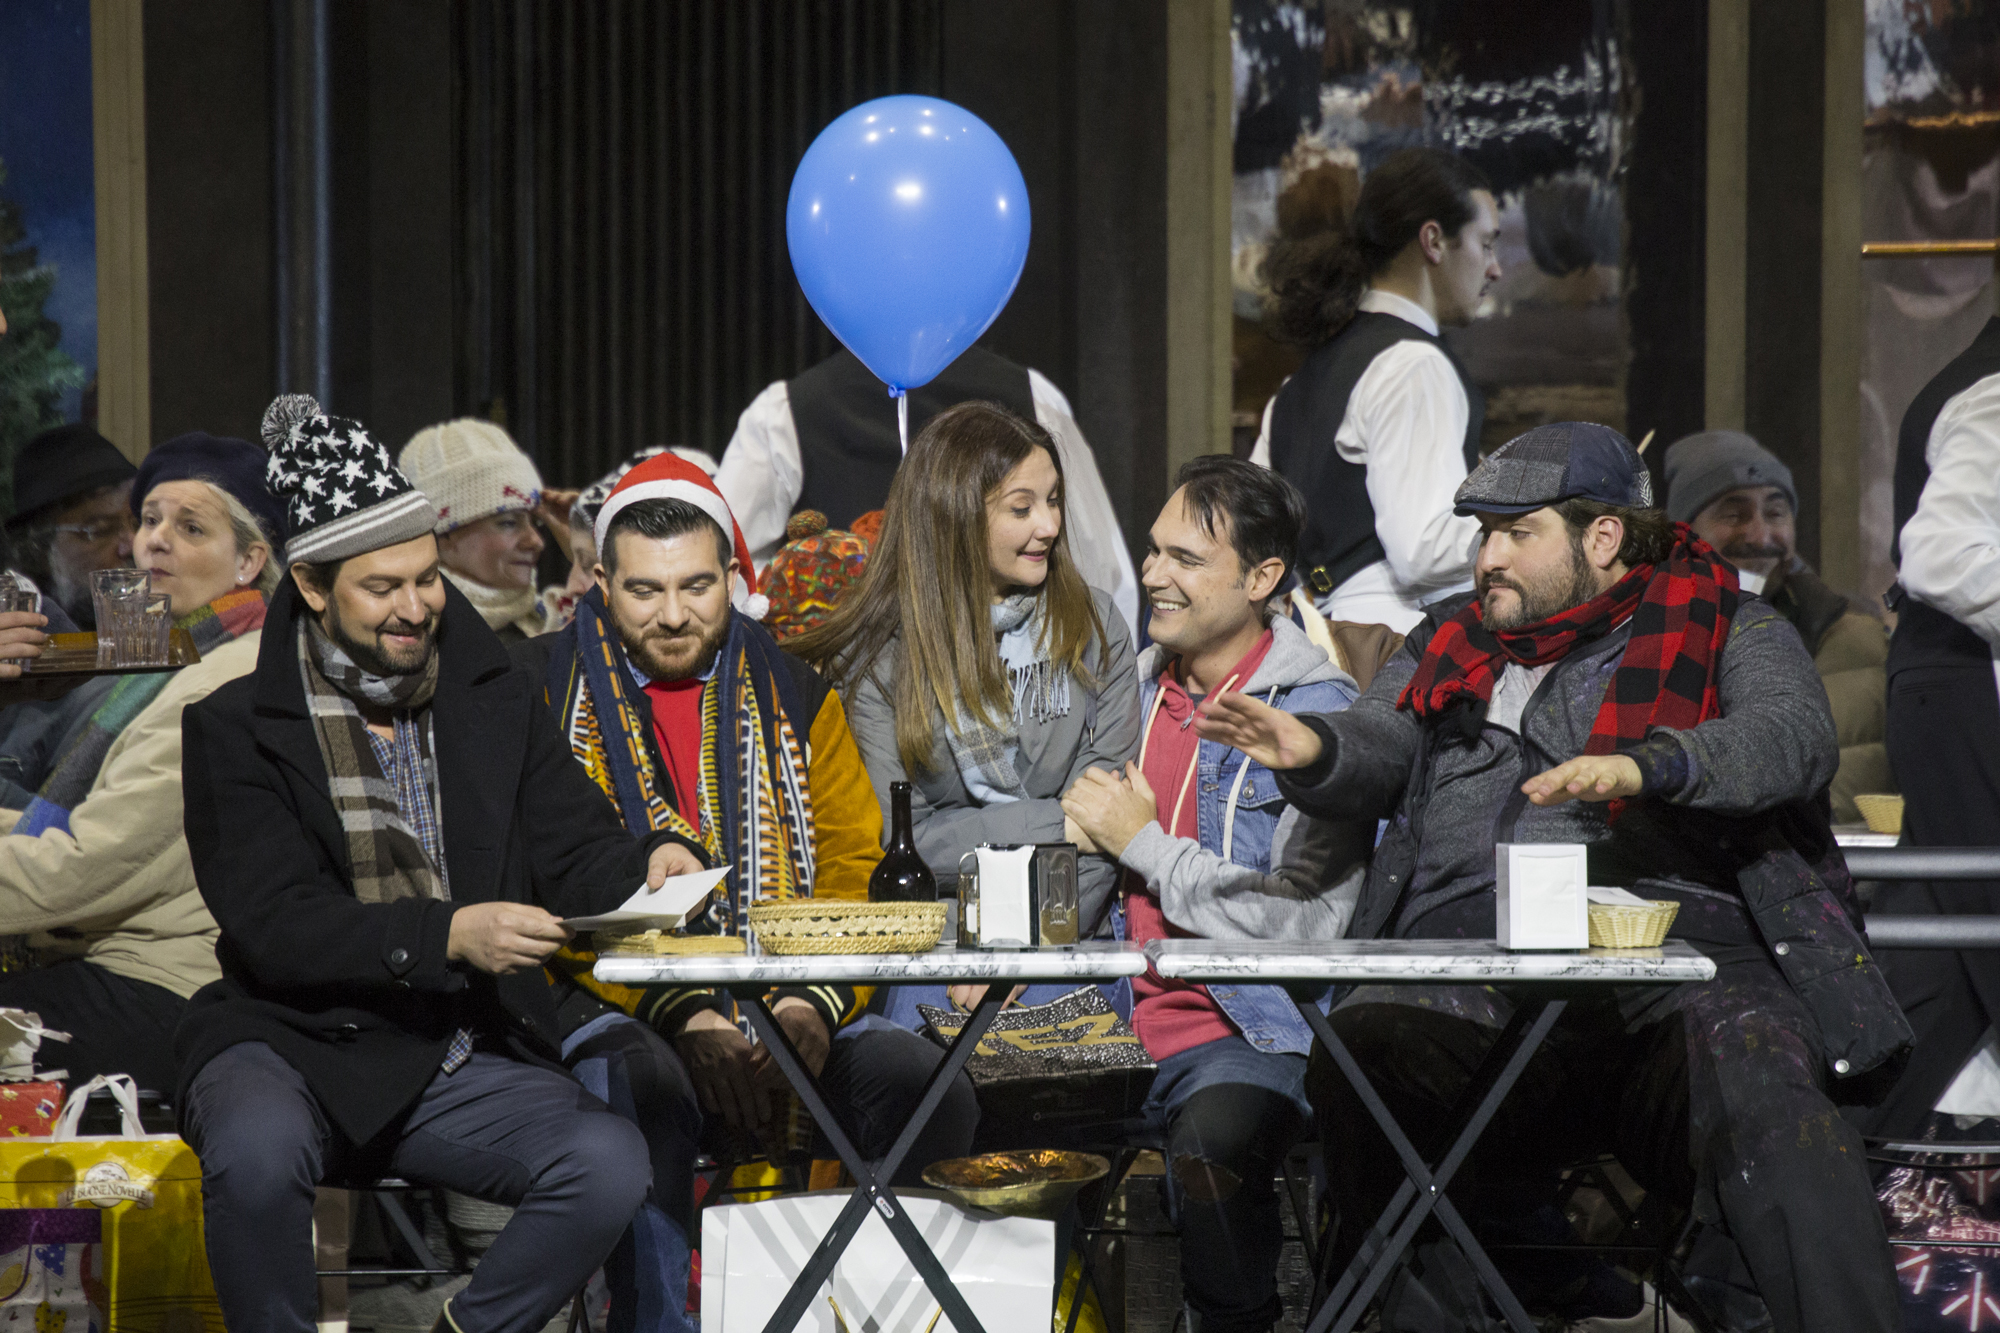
{"x": 1616, "y": 898}
{"x": 663, "y": 908}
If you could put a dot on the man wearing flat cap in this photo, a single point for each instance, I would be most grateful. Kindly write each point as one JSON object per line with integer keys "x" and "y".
{"x": 72, "y": 515}
{"x": 381, "y": 817}
{"x": 1738, "y": 497}
{"x": 1583, "y": 694}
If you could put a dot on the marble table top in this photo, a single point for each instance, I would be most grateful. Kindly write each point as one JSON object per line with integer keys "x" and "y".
{"x": 1086, "y": 962}
{"x": 1190, "y": 960}
{"x": 1421, "y": 961}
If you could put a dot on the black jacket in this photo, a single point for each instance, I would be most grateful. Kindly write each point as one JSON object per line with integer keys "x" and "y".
{"x": 359, "y": 997}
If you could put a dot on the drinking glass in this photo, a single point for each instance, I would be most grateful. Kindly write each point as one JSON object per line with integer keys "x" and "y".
{"x": 119, "y": 596}
{"x": 156, "y": 631}
{"x": 18, "y": 595}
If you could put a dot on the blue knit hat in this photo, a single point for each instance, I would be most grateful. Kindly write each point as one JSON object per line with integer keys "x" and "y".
{"x": 343, "y": 494}
{"x": 236, "y": 466}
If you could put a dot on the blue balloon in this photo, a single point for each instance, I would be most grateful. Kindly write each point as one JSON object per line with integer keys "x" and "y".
{"x": 908, "y": 227}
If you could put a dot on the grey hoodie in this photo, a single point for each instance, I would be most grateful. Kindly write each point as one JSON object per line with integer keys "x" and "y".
{"x": 1285, "y": 875}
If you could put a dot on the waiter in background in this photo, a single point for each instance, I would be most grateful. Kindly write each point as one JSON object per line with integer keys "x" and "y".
{"x": 826, "y": 439}
{"x": 1380, "y": 425}
{"x": 1944, "y": 729}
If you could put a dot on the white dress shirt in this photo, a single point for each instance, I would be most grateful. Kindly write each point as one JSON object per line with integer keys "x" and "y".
{"x": 1951, "y": 561}
{"x": 762, "y": 475}
{"x": 1405, "y": 423}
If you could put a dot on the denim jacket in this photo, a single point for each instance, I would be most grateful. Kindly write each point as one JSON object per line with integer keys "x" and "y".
{"x": 1261, "y": 869}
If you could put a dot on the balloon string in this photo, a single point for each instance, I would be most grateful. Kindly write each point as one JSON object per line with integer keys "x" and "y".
{"x": 903, "y": 420}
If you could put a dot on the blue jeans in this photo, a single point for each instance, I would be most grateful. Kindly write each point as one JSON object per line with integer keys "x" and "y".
{"x": 1228, "y": 1113}
{"x": 873, "y": 1076}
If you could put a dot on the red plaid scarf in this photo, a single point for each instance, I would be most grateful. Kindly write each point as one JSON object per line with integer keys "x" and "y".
{"x": 1680, "y": 612}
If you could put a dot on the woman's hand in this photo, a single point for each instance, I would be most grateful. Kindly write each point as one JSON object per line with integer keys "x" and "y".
{"x": 1271, "y": 736}
{"x": 1109, "y": 808}
{"x": 967, "y": 995}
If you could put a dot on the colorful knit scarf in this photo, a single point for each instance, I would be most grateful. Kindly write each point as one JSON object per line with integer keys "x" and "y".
{"x": 1680, "y": 611}
{"x": 227, "y": 617}
{"x": 760, "y": 821}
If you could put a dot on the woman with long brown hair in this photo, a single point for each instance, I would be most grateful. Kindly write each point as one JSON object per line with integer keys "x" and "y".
{"x": 974, "y": 662}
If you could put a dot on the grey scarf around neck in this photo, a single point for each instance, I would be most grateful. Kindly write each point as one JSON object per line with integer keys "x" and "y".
{"x": 988, "y": 758}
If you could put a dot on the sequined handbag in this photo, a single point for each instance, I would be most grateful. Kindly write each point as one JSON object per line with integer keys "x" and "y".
{"x": 1064, "y": 1064}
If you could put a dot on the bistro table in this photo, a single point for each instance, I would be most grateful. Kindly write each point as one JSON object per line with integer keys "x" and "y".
{"x": 1540, "y": 983}
{"x": 749, "y": 977}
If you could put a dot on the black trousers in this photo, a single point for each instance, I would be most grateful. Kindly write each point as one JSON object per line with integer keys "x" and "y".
{"x": 496, "y": 1129}
{"x": 1944, "y": 746}
{"x": 1709, "y": 1094}
{"x": 116, "y": 1025}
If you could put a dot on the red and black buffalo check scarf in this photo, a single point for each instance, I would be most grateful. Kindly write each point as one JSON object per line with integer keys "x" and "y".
{"x": 1680, "y": 610}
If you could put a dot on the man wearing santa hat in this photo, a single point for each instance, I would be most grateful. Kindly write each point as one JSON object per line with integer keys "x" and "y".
{"x": 692, "y": 719}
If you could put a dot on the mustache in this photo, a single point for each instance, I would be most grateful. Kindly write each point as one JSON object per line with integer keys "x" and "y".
{"x": 413, "y": 629}
{"x": 1748, "y": 552}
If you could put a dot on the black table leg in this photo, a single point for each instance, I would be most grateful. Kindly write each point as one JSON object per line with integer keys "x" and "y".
{"x": 870, "y": 1189}
{"x": 1423, "y": 1189}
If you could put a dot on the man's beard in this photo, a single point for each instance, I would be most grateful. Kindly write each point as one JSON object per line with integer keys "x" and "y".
{"x": 1543, "y": 599}
{"x": 375, "y": 660}
{"x": 663, "y": 656}
{"x": 72, "y": 594}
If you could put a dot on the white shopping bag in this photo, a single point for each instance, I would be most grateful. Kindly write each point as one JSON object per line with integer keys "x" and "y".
{"x": 750, "y": 1252}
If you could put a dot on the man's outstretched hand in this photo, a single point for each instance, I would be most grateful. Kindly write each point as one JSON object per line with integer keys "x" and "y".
{"x": 1272, "y": 737}
{"x": 504, "y": 937}
{"x": 1592, "y": 777}
{"x": 21, "y": 637}
{"x": 670, "y": 859}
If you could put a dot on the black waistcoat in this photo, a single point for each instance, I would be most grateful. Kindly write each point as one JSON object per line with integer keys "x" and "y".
{"x": 846, "y": 422}
{"x": 1339, "y": 538}
{"x": 1926, "y": 636}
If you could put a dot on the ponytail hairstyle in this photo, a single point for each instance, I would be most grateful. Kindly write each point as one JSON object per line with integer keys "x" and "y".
{"x": 1316, "y": 281}
{"x": 923, "y": 603}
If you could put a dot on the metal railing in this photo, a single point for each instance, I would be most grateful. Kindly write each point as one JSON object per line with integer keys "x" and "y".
{"x": 1937, "y": 865}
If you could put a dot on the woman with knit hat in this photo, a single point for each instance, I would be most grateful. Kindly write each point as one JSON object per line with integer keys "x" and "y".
{"x": 96, "y": 870}
{"x": 488, "y": 498}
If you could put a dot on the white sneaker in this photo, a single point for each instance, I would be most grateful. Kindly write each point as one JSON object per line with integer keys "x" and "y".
{"x": 1643, "y": 1322}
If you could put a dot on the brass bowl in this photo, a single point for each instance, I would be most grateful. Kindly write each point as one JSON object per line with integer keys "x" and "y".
{"x": 1018, "y": 1184}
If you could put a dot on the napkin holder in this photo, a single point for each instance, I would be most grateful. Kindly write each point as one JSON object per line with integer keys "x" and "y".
{"x": 1540, "y": 895}
{"x": 1018, "y": 896}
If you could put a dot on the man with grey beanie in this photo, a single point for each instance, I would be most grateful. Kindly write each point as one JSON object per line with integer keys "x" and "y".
{"x": 1739, "y": 498}
{"x": 389, "y": 830}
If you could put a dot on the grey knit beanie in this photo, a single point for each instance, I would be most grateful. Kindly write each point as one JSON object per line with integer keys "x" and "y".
{"x": 1714, "y": 462}
{"x": 343, "y": 494}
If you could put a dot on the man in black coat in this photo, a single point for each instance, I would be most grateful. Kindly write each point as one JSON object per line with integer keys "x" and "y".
{"x": 381, "y": 818}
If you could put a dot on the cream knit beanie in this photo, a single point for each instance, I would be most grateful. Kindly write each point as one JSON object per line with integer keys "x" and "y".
{"x": 471, "y": 469}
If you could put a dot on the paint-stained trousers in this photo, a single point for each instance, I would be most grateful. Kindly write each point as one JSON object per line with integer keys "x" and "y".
{"x": 1708, "y": 1094}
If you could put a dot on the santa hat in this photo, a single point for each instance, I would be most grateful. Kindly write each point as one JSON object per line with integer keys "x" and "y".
{"x": 670, "y": 477}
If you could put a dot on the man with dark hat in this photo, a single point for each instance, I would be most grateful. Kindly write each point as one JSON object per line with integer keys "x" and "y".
{"x": 388, "y": 829}
{"x": 1583, "y": 695}
{"x": 72, "y": 515}
{"x": 1738, "y": 497}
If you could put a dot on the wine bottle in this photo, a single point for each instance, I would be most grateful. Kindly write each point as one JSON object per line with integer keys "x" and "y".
{"x": 901, "y": 876}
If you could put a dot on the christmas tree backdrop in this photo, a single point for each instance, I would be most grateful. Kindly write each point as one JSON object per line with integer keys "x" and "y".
{"x": 34, "y": 370}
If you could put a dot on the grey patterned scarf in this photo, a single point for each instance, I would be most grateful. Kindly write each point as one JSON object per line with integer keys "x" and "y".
{"x": 389, "y": 857}
{"x": 988, "y": 758}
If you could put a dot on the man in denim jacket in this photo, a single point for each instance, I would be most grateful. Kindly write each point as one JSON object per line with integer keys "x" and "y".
{"x": 1211, "y": 850}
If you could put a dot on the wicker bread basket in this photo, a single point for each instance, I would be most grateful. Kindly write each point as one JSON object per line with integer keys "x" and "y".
{"x": 661, "y": 944}
{"x": 818, "y": 925}
{"x": 1617, "y": 926}
{"x": 1883, "y": 813}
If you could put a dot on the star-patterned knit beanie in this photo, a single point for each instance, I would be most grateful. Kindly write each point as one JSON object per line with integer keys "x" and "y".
{"x": 343, "y": 493}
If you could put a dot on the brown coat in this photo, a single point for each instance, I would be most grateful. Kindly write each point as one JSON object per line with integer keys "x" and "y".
{"x": 1849, "y": 648}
